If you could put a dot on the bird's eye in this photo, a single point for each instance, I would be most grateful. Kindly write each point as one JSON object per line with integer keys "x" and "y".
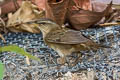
{"x": 43, "y": 23}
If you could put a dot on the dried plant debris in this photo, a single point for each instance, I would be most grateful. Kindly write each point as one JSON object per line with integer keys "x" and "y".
{"x": 2, "y": 38}
{"x": 94, "y": 66}
{"x": 84, "y": 19}
{"x": 25, "y": 13}
{"x": 2, "y": 29}
{"x": 56, "y": 10}
{"x": 84, "y": 4}
{"x": 116, "y": 6}
{"x": 2, "y": 26}
{"x": 82, "y": 75}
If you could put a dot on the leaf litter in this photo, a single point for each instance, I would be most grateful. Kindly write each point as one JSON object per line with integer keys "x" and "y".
{"x": 17, "y": 23}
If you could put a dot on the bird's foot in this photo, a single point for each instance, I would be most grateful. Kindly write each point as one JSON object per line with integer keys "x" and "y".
{"x": 61, "y": 60}
{"x": 79, "y": 58}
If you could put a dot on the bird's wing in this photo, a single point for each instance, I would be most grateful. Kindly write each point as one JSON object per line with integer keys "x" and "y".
{"x": 66, "y": 37}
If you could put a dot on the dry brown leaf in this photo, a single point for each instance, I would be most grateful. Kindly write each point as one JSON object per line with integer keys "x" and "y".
{"x": 9, "y": 15}
{"x": 25, "y": 13}
{"x": 98, "y": 6}
{"x": 116, "y": 6}
{"x": 56, "y": 10}
{"x": 82, "y": 19}
{"x": 40, "y": 4}
{"x": 9, "y": 6}
{"x": 84, "y": 4}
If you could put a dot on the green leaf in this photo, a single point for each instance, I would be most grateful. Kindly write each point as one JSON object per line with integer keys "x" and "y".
{"x": 1, "y": 70}
{"x": 16, "y": 49}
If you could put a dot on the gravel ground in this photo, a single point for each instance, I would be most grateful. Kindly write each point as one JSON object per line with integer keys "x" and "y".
{"x": 96, "y": 66}
{"x": 101, "y": 65}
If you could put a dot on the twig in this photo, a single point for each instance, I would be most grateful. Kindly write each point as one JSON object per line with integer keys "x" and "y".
{"x": 109, "y": 24}
{"x": 3, "y": 23}
{"x": 2, "y": 38}
{"x": 27, "y": 60}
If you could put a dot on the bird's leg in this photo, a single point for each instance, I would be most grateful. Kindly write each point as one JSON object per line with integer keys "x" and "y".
{"x": 77, "y": 59}
{"x": 61, "y": 60}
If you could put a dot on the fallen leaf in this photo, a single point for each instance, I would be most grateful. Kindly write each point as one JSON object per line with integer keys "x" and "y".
{"x": 84, "y": 4}
{"x": 40, "y": 4}
{"x": 56, "y": 10}
{"x": 83, "y": 19}
{"x": 116, "y": 6}
{"x": 9, "y": 6}
{"x": 98, "y": 6}
{"x": 9, "y": 15}
{"x": 25, "y": 13}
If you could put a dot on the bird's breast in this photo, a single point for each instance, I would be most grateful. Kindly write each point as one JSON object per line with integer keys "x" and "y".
{"x": 61, "y": 49}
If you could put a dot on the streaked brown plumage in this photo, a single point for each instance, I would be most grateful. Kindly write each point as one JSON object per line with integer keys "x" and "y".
{"x": 64, "y": 41}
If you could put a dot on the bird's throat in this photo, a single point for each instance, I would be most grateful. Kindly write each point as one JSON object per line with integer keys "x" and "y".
{"x": 46, "y": 31}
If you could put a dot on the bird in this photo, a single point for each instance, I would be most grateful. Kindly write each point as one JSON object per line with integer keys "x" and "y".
{"x": 65, "y": 41}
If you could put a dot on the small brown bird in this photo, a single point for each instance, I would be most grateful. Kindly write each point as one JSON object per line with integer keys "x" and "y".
{"x": 64, "y": 41}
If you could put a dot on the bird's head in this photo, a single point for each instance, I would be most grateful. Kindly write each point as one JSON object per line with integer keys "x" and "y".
{"x": 46, "y": 25}
{"x": 46, "y": 21}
